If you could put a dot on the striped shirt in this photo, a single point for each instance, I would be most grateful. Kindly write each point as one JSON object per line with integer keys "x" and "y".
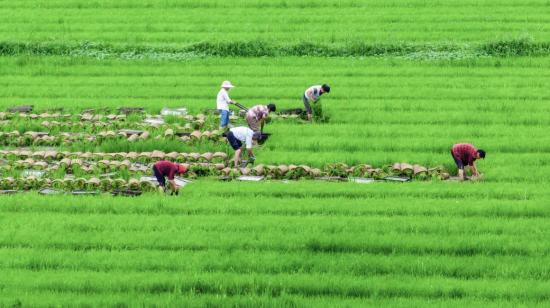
{"x": 465, "y": 152}
{"x": 313, "y": 93}
{"x": 259, "y": 112}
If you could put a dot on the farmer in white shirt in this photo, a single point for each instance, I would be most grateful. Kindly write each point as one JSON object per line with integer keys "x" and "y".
{"x": 236, "y": 136}
{"x": 258, "y": 114}
{"x": 223, "y": 102}
{"x": 312, "y": 95}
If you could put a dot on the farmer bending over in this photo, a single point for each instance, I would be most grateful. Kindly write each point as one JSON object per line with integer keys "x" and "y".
{"x": 258, "y": 114}
{"x": 465, "y": 154}
{"x": 222, "y": 102}
{"x": 312, "y": 95}
{"x": 236, "y": 136}
{"x": 167, "y": 169}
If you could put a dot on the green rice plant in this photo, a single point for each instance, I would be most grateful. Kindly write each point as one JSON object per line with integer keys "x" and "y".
{"x": 361, "y": 170}
{"x": 319, "y": 116}
{"x": 259, "y": 170}
{"x": 21, "y": 184}
{"x": 298, "y": 172}
{"x": 337, "y": 169}
{"x": 93, "y": 184}
{"x": 79, "y": 184}
{"x": 119, "y": 183}
{"x": 146, "y": 186}
{"x": 7, "y": 183}
{"x": 134, "y": 184}
{"x": 202, "y": 169}
{"x": 69, "y": 184}
{"x": 106, "y": 184}
{"x": 59, "y": 184}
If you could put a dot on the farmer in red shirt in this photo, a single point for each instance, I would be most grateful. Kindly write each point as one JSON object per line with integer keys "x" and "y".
{"x": 465, "y": 154}
{"x": 167, "y": 169}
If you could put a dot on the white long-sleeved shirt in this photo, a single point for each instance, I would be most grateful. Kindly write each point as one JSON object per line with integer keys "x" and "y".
{"x": 222, "y": 101}
{"x": 244, "y": 134}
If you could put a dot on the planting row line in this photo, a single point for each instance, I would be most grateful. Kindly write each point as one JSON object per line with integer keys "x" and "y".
{"x": 144, "y": 157}
{"x": 209, "y": 164}
{"x": 32, "y": 179}
{"x": 12, "y": 185}
{"x": 26, "y": 157}
{"x": 15, "y": 138}
{"x": 147, "y": 123}
{"x": 95, "y": 115}
{"x": 78, "y": 166}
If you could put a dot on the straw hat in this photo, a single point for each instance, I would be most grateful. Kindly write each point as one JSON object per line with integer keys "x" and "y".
{"x": 227, "y": 84}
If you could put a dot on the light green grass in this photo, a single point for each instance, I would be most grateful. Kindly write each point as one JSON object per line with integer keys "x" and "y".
{"x": 377, "y": 243}
{"x": 175, "y": 23}
{"x": 439, "y": 72}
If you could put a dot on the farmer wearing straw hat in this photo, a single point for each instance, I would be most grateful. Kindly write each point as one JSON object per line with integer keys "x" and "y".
{"x": 312, "y": 95}
{"x": 168, "y": 169}
{"x": 258, "y": 114}
{"x": 465, "y": 154}
{"x": 236, "y": 136}
{"x": 222, "y": 102}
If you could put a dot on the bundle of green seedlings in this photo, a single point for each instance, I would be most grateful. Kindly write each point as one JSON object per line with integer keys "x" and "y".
{"x": 416, "y": 171}
{"x": 204, "y": 164}
{"x": 75, "y": 166}
{"x": 94, "y": 117}
{"x": 67, "y": 125}
{"x": 31, "y": 138}
{"x": 62, "y": 116}
{"x": 340, "y": 170}
{"x": 80, "y": 183}
{"x": 87, "y": 121}
{"x": 143, "y": 157}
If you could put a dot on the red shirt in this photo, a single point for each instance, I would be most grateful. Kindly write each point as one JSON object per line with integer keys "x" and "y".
{"x": 167, "y": 169}
{"x": 465, "y": 152}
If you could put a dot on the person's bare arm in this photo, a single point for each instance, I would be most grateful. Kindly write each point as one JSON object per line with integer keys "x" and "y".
{"x": 262, "y": 124}
{"x": 474, "y": 169}
{"x": 251, "y": 156}
{"x": 309, "y": 95}
{"x": 173, "y": 184}
{"x": 237, "y": 157}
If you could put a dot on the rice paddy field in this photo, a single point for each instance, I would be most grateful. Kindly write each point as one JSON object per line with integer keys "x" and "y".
{"x": 408, "y": 79}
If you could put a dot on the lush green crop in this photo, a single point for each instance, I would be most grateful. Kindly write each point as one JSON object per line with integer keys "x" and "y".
{"x": 409, "y": 79}
{"x": 380, "y": 243}
{"x": 177, "y": 23}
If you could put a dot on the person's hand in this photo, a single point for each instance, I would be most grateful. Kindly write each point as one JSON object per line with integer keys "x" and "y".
{"x": 476, "y": 177}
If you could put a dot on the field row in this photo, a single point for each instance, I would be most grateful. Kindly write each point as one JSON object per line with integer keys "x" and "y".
{"x": 486, "y": 200}
{"x": 255, "y": 4}
{"x": 310, "y": 241}
{"x": 175, "y": 23}
{"x": 230, "y": 285}
{"x": 42, "y": 85}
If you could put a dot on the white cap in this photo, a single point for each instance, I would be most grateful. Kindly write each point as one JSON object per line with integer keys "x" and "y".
{"x": 227, "y": 84}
